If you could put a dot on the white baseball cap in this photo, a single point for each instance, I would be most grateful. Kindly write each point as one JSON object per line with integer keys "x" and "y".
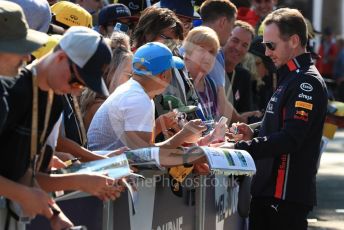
{"x": 89, "y": 51}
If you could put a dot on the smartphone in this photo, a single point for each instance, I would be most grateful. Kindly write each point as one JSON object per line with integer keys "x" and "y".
{"x": 210, "y": 124}
{"x": 121, "y": 27}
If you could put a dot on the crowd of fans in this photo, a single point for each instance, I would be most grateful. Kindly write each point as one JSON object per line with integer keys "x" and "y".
{"x": 98, "y": 75}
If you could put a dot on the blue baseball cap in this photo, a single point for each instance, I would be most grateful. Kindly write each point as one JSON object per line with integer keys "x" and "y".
{"x": 154, "y": 58}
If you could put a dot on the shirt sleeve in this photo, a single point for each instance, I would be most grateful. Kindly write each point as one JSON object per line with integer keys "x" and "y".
{"x": 138, "y": 113}
{"x": 304, "y": 103}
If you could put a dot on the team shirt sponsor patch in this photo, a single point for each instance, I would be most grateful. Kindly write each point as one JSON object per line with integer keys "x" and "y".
{"x": 304, "y": 96}
{"x": 306, "y": 87}
{"x": 301, "y": 115}
{"x": 304, "y": 105}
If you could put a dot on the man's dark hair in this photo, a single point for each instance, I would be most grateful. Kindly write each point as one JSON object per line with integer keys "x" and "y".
{"x": 152, "y": 22}
{"x": 289, "y": 22}
{"x": 246, "y": 26}
{"x": 211, "y": 10}
{"x": 242, "y": 3}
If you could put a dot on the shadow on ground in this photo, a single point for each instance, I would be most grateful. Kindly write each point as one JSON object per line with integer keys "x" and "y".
{"x": 329, "y": 214}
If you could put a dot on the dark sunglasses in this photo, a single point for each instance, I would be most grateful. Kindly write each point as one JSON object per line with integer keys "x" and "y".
{"x": 74, "y": 81}
{"x": 270, "y": 45}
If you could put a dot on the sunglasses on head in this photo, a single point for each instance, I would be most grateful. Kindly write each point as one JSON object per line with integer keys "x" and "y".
{"x": 74, "y": 81}
{"x": 270, "y": 45}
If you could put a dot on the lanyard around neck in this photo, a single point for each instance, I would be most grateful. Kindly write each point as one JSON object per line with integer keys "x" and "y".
{"x": 37, "y": 156}
{"x": 82, "y": 129}
{"x": 206, "y": 108}
{"x": 230, "y": 89}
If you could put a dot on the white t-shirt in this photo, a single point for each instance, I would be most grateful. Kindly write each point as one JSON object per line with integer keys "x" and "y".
{"x": 127, "y": 109}
{"x": 54, "y": 134}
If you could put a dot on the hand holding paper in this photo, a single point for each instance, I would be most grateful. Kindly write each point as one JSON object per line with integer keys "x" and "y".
{"x": 101, "y": 186}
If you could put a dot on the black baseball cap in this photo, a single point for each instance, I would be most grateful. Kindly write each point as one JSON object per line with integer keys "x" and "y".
{"x": 135, "y": 6}
{"x": 113, "y": 12}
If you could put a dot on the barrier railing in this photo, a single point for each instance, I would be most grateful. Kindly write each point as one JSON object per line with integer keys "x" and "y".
{"x": 206, "y": 206}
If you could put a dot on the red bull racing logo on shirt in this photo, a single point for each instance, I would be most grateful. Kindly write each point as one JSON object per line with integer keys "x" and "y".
{"x": 301, "y": 115}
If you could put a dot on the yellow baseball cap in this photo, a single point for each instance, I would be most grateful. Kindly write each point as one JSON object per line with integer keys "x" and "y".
{"x": 70, "y": 14}
{"x": 53, "y": 40}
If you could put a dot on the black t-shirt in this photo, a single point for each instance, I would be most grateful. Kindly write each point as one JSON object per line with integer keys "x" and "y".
{"x": 15, "y": 140}
{"x": 4, "y": 85}
{"x": 262, "y": 94}
{"x": 241, "y": 89}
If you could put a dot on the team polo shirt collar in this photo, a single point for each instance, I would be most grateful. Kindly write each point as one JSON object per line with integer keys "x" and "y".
{"x": 295, "y": 64}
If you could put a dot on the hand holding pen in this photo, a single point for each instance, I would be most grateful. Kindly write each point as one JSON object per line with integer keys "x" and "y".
{"x": 241, "y": 131}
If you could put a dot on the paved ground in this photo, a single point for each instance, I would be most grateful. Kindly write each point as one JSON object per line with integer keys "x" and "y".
{"x": 329, "y": 214}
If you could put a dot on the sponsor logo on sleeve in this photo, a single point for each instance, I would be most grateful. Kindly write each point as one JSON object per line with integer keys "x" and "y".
{"x": 237, "y": 95}
{"x": 304, "y": 105}
{"x": 306, "y": 87}
{"x": 304, "y": 96}
{"x": 279, "y": 89}
{"x": 269, "y": 108}
{"x": 274, "y": 99}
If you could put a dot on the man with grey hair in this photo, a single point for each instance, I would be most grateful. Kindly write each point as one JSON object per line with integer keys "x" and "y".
{"x": 238, "y": 79}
